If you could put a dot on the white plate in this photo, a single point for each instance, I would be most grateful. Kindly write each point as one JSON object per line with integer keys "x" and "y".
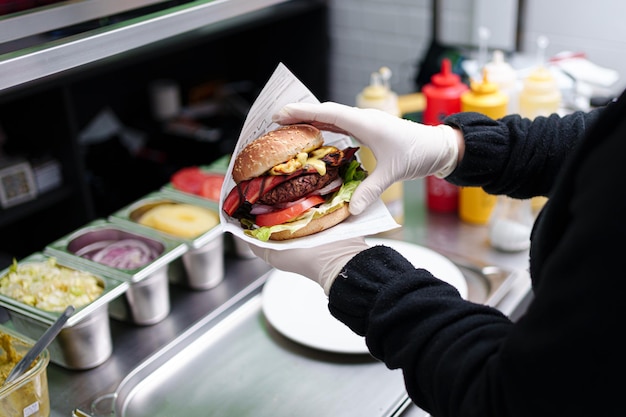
{"x": 298, "y": 308}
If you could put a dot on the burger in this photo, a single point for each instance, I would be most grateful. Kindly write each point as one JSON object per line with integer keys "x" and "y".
{"x": 289, "y": 184}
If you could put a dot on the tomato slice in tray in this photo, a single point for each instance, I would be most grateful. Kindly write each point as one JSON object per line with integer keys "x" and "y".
{"x": 282, "y": 216}
{"x": 212, "y": 186}
{"x": 193, "y": 180}
{"x": 188, "y": 180}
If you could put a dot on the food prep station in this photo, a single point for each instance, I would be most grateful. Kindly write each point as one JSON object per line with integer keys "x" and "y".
{"x": 216, "y": 350}
{"x": 209, "y": 349}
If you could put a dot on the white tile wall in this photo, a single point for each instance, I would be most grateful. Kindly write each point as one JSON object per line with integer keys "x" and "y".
{"x": 369, "y": 34}
{"x": 596, "y": 28}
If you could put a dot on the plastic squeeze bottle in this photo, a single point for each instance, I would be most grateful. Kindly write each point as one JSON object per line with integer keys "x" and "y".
{"x": 504, "y": 76}
{"x": 378, "y": 95}
{"x": 540, "y": 96}
{"x": 476, "y": 205}
{"x": 443, "y": 98}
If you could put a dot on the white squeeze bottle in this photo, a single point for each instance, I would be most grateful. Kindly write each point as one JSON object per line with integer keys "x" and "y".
{"x": 511, "y": 224}
{"x": 378, "y": 95}
{"x": 540, "y": 96}
{"x": 504, "y": 76}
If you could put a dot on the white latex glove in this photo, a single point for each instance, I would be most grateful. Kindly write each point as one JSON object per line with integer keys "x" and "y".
{"x": 403, "y": 149}
{"x": 322, "y": 264}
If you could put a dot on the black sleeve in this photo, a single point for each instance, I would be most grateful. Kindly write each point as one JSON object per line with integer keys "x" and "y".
{"x": 562, "y": 356}
{"x": 516, "y": 156}
{"x": 414, "y": 321}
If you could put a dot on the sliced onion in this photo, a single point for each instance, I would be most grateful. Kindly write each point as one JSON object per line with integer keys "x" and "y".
{"x": 261, "y": 209}
{"x": 331, "y": 187}
{"x": 86, "y": 251}
{"x": 288, "y": 204}
{"x": 126, "y": 254}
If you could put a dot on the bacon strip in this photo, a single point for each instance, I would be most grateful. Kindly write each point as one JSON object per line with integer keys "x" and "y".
{"x": 338, "y": 158}
{"x": 250, "y": 191}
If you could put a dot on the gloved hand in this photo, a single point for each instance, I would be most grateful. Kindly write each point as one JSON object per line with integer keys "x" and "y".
{"x": 403, "y": 149}
{"x": 321, "y": 264}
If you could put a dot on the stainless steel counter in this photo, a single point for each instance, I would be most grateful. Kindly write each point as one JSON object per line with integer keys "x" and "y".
{"x": 463, "y": 243}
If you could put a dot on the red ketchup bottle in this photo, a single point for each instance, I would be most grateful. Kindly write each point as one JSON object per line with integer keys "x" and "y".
{"x": 443, "y": 98}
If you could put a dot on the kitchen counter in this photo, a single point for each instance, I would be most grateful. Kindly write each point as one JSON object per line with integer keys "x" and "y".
{"x": 132, "y": 344}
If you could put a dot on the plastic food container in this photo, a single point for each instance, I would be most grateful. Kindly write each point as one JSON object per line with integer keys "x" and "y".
{"x": 140, "y": 259}
{"x": 27, "y": 395}
{"x": 85, "y": 340}
{"x": 203, "y": 262}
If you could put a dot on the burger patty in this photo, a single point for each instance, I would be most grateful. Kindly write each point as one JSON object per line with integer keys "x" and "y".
{"x": 299, "y": 187}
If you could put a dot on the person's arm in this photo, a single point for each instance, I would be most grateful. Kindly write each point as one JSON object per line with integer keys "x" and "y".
{"x": 516, "y": 156}
{"x": 463, "y": 359}
{"x": 415, "y": 322}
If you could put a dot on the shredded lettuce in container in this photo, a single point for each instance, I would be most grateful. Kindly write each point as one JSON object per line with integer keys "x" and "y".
{"x": 48, "y": 286}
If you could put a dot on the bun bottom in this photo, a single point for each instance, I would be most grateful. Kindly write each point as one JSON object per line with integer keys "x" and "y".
{"x": 315, "y": 226}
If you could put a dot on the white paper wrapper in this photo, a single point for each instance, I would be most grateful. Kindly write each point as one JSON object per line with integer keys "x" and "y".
{"x": 281, "y": 89}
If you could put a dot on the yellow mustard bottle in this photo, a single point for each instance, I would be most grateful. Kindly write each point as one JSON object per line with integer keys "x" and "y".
{"x": 476, "y": 205}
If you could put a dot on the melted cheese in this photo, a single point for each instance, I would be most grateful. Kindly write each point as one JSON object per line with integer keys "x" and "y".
{"x": 303, "y": 159}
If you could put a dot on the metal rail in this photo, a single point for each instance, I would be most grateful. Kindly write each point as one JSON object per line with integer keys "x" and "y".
{"x": 54, "y": 57}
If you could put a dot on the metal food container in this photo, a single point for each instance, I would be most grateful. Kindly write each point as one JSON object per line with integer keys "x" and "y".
{"x": 28, "y": 394}
{"x": 213, "y": 176}
{"x": 232, "y": 244}
{"x": 85, "y": 340}
{"x": 203, "y": 262}
{"x": 218, "y": 167}
{"x": 146, "y": 301}
{"x": 240, "y": 247}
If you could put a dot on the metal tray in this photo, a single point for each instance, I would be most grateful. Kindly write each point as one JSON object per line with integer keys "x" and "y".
{"x": 101, "y": 229}
{"x": 127, "y": 214}
{"x": 233, "y": 362}
{"x": 112, "y": 289}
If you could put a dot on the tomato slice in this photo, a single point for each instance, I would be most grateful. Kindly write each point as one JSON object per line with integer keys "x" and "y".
{"x": 193, "y": 180}
{"x": 212, "y": 186}
{"x": 188, "y": 180}
{"x": 282, "y": 216}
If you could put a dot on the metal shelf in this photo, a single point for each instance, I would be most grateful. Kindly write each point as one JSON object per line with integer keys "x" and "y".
{"x": 53, "y": 57}
{"x": 36, "y": 20}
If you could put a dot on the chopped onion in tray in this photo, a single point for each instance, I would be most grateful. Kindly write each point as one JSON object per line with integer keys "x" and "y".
{"x": 122, "y": 254}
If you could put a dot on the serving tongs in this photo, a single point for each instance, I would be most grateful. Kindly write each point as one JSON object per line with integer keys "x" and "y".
{"x": 43, "y": 342}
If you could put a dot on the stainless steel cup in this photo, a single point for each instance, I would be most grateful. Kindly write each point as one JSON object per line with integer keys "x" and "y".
{"x": 145, "y": 302}
{"x": 84, "y": 345}
{"x": 204, "y": 266}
